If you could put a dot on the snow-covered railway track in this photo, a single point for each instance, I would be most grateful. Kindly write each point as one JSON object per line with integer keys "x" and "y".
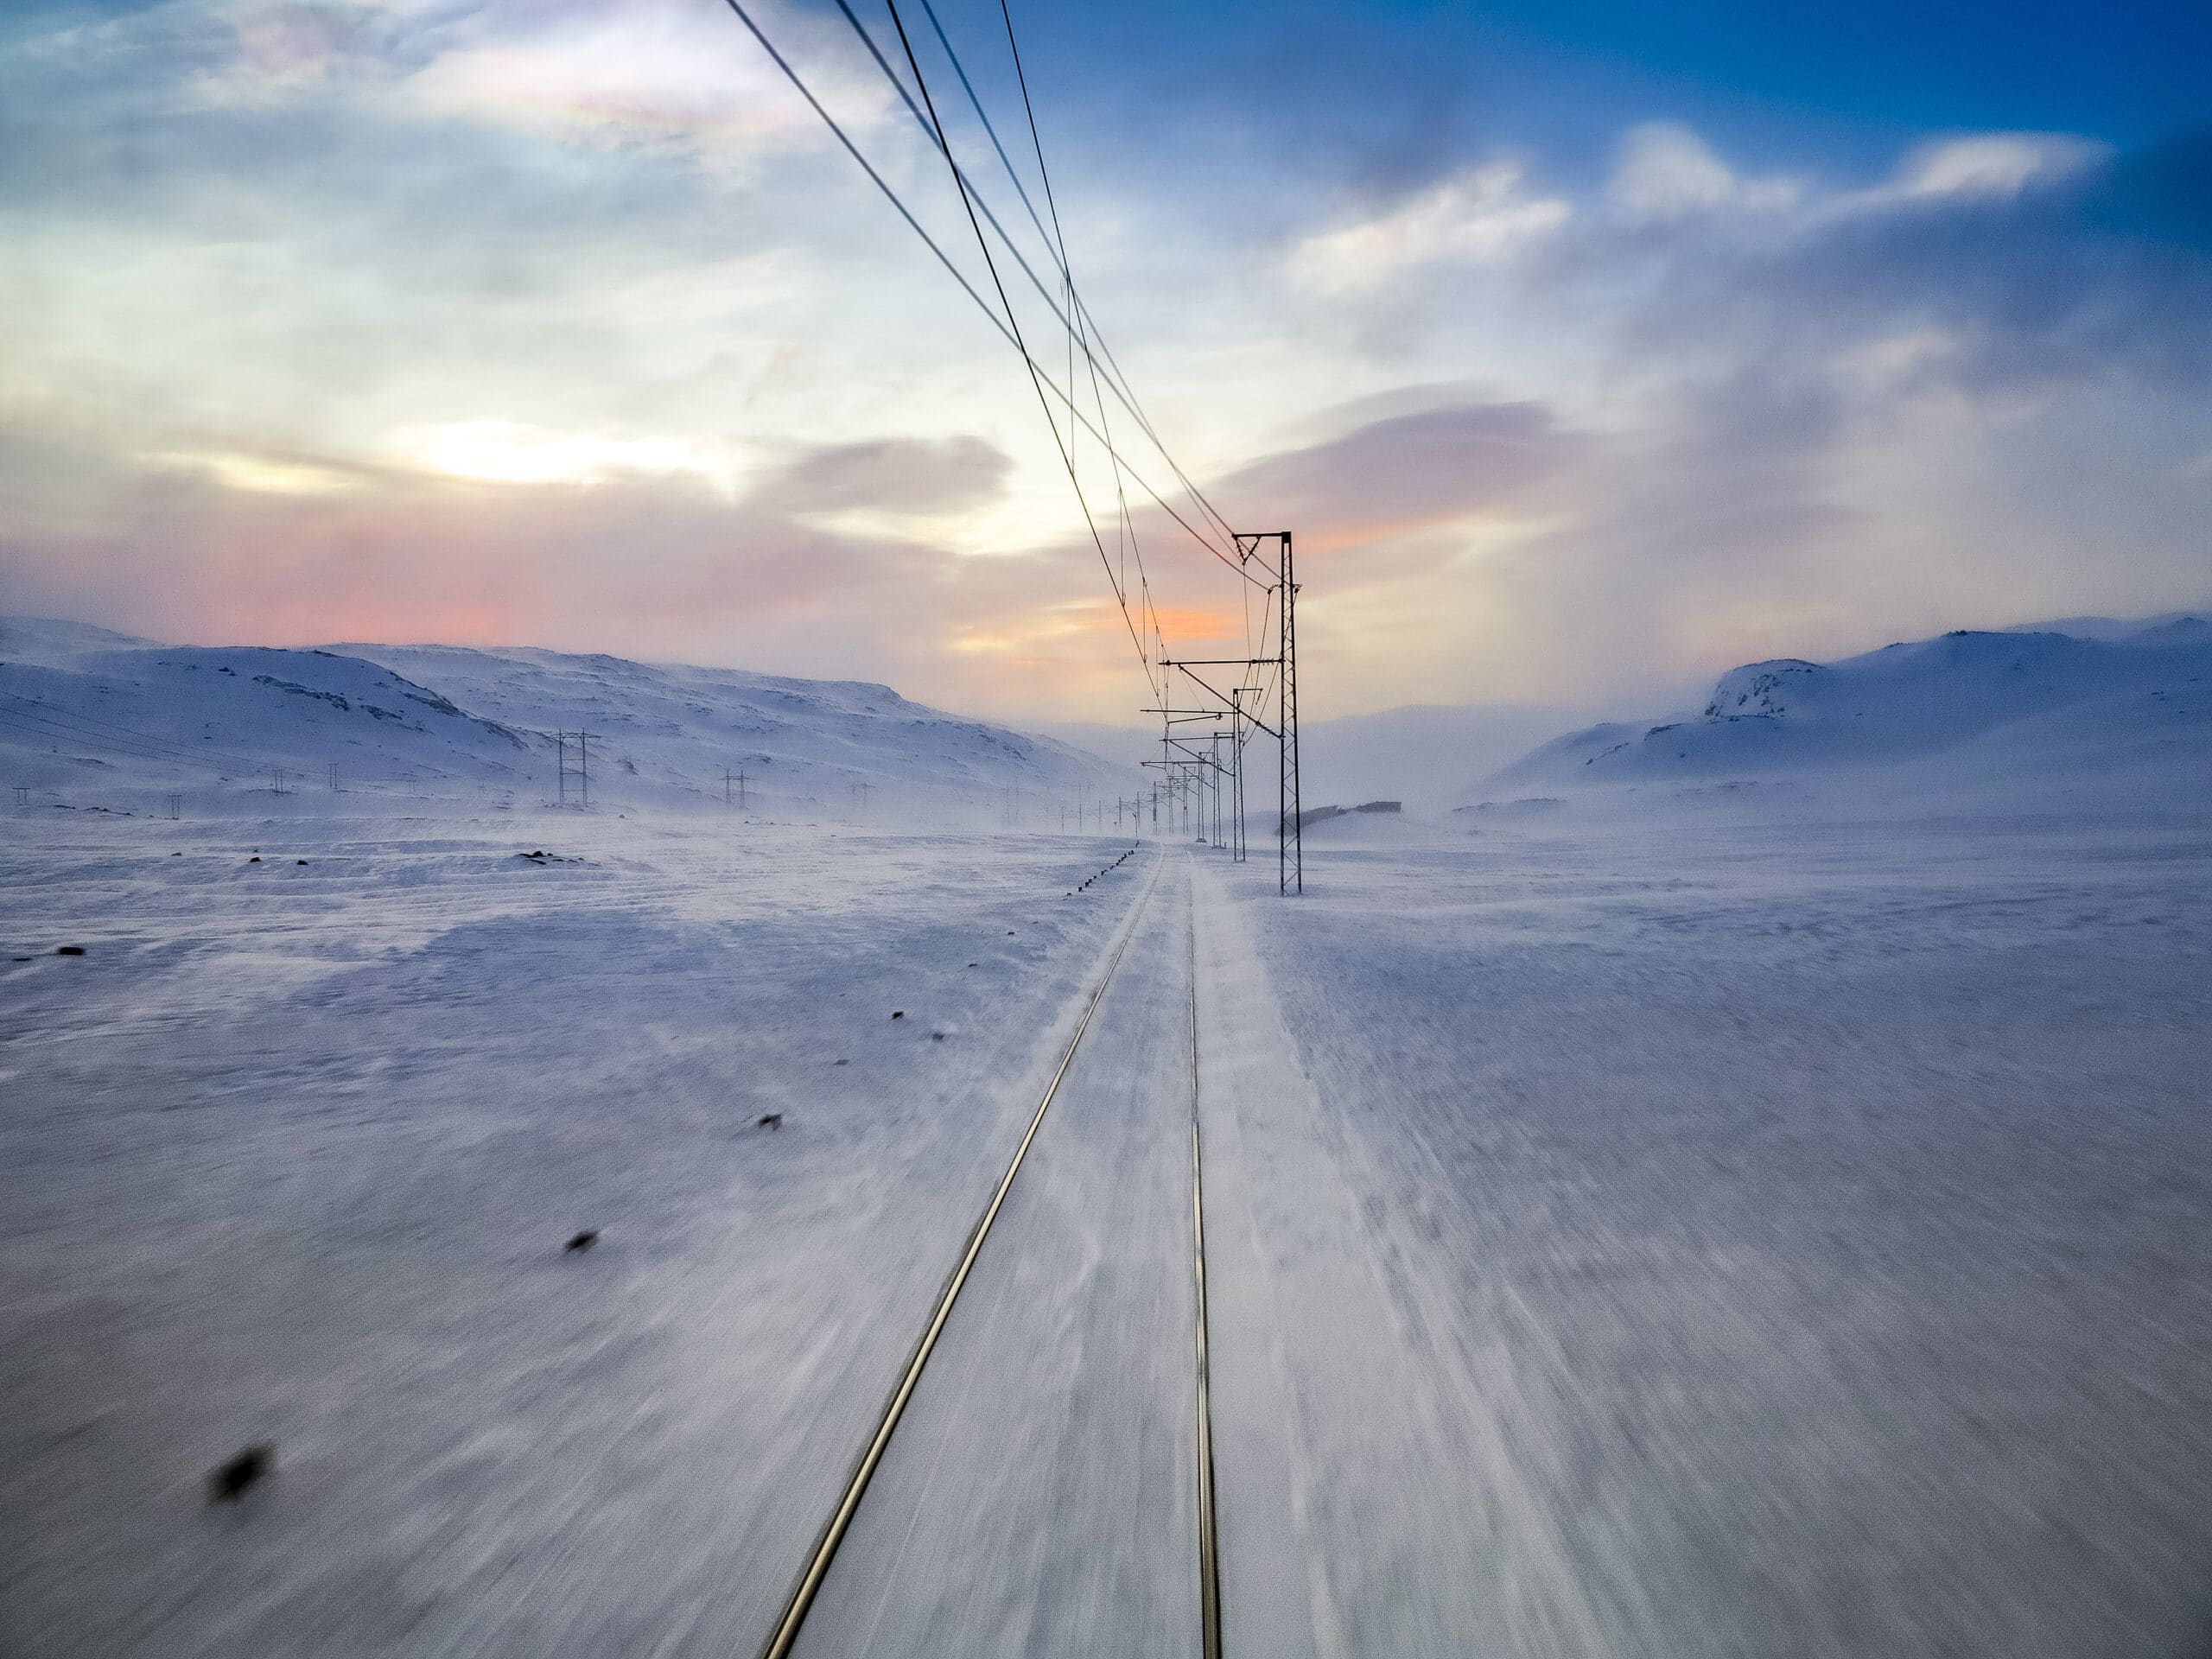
{"x": 784, "y": 1636}
{"x": 1209, "y": 1556}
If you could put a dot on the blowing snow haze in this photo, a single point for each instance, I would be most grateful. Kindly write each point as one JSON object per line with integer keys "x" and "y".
{"x": 1247, "y": 831}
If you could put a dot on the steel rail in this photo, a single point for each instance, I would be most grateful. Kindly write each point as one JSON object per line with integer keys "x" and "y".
{"x": 1209, "y": 1559}
{"x": 780, "y": 1641}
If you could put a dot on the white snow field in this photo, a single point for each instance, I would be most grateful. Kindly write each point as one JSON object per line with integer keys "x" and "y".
{"x": 1652, "y": 1224}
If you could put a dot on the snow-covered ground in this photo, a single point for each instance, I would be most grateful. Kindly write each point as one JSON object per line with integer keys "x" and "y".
{"x": 1626, "y": 1239}
{"x": 1753, "y": 1239}
{"x": 290, "y": 1154}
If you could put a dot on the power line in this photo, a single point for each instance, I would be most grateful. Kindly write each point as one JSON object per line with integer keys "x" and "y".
{"x": 933, "y": 129}
{"x": 96, "y": 728}
{"x": 957, "y": 276}
{"x": 968, "y": 202}
{"x": 1081, "y": 313}
{"x": 1077, "y": 316}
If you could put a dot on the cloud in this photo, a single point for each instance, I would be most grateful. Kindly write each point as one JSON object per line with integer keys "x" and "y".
{"x": 894, "y": 475}
{"x": 2016, "y": 263}
{"x": 540, "y": 319}
{"x": 1999, "y": 164}
{"x": 513, "y": 452}
{"x": 1482, "y": 217}
{"x": 1666, "y": 171}
{"x": 651, "y": 73}
{"x": 1384, "y": 477}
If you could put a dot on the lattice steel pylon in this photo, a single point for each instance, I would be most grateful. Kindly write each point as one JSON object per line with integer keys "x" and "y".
{"x": 1246, "y": 708}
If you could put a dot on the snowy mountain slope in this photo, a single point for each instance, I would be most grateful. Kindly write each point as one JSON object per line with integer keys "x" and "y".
{"x": 49, "y": 642}
{"x": 82, "y": 710}
{"x": 2111, "y": 629}
{"x": 192, "y": 716}
{"x": 2007, "y": 711}
{"x": 673, "y": 729}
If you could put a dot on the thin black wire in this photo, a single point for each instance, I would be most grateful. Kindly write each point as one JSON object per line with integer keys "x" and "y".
{"x": 982, "y": 304}
{"x": 1012, "y": 322}
{"x": 1075, "y": 307}
{"x": 87, "y": 729}
{"x": 1080, "y": 311}
{"x": 57, "y": 737}
{"x": 934, "y": 132}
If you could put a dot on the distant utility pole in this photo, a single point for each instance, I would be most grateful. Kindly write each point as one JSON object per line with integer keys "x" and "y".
{"x": 583, "y": 764}
{"x": 176, "y": 804}
{"x": 22, "y": 794}
{"x": 276, "y": 781}
{"x": 726, "y": 784}
{"x": 333, "y": 777}
{"x": 740, "y": 789}
{"x": 561, "y": 764}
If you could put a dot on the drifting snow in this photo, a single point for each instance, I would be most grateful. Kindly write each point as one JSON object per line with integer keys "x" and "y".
{"x": 1627, "y": 1238}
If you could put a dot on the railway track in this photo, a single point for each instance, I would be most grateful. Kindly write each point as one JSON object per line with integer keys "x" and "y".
{"x": 784, "y": 1638}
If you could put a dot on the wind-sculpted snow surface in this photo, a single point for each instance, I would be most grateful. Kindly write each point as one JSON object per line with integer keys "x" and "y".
{"x": 1778, "y": 1241}
{"x": 290, "y": 1155}
{"x": 499, "y": 1235}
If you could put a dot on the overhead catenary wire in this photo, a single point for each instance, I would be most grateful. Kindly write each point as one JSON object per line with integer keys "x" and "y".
{"x": 1079, "y": 313}
{"x": 1067, "y": 460}
{"x": 1077, "y": 319}
{"x": 876, "y": 177}
{"x": 933, "y": 130}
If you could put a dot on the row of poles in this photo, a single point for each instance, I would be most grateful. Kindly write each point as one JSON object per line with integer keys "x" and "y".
{"x": 1219, "y": 703}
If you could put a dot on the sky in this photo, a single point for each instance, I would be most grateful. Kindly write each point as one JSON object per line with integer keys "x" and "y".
{"x": 1587, "y": 349}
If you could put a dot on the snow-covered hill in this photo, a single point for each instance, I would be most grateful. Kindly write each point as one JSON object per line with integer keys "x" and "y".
{"x": 2040, "y": 714}
{"x": 94, "y": 718}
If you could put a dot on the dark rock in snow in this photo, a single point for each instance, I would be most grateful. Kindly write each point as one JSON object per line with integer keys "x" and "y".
{"x": 775, "y": 1120}
{"x": 68, "y": 950}
{"x": 583, "y": 1241}
{"x": 229, "y": 1482}
{"x": 256, "y": 858}
{"x": 898, "y": 1014}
